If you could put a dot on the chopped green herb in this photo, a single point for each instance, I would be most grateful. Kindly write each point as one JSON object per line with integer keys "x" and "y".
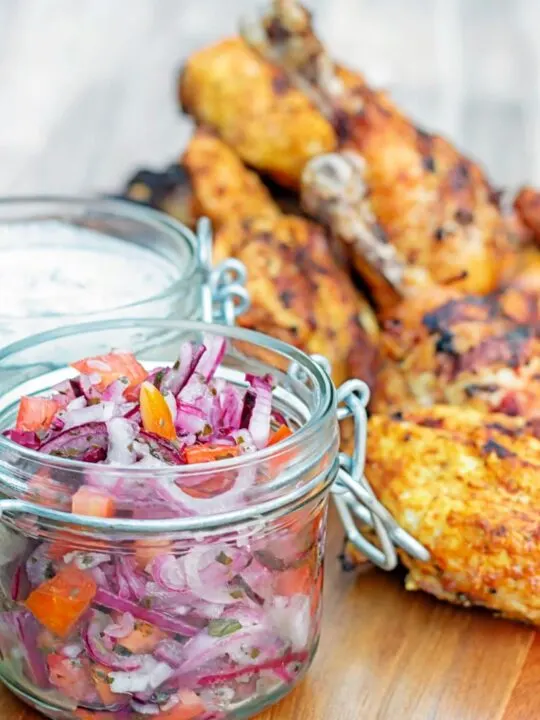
{"x": 224, "y": 559}
{"x": 223, "y": 627}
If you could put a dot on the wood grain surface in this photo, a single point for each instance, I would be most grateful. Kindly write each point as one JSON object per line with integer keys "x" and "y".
{"x": 386, "y": 654}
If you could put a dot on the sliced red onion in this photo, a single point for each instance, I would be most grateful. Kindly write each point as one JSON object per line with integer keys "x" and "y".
{"x": 122, "y": 628}
{"x": 205, "y": 648}
{"x": 231, "y": 403}
{"x": 76, "y": 404}
{"x": 68, "y": 389}
{"x": 121, "y": 433}
{"x": 18, "y": 636}
{"x": 177, "y": 377}
{"x": 168, "y": 572}
{"x": 149, "y": 676}
{"x": 162, "y": 449}
{"x": 72, "y": 650}
{"x": 92, "y": 637}
{"x": 226, "y": 677}
{"x": 98, "y": 412}
{"x": 209, "y": 570}
{"x": 260, "y": 406}
{"x": 291, "y": 617}
{"x": 171, "y": 652}
{"x": 127, "y": 568}
{"x": 182, "y": 626}
{"x": 244, "y": 441}
{"x": 25, "y": 438}
{"x": 115, "y": 391}
{"x": 76, "y": 443}
{"x": 88, "y": 386}
{"x": 215, "y": 350}
{"x": 189, "y": 418}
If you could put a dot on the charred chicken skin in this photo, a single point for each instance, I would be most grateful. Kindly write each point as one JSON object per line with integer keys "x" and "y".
{"x": 418, "y": 212}
{"x": 298, "y": 291}
{"x": 467, "y": 486}
{"x": 481, "y": 352}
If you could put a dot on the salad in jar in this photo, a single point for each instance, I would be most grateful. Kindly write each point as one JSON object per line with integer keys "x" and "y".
{"x": 192, "y": 628}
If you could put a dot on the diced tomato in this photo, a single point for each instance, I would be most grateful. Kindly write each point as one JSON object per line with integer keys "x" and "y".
{"x": 111, "y": 367}
{"x": 71, "y": 676}
{"x": 143, "y": 639}
{"x": 208, "y": 453}
{"x": 59, "y": 603}
{"x": 36, "y": 413}
{"x": 213, "y": 486}
{"x": 295, "y": 581}
{"x": 43, "y": 490}
{"x": 147, "y": 550}
{"x": 189, "y": 708}
{"x": 155, "y": 413}
{"x": 91, "y": 501}
{"x": 100, "y": 678}
{"x": 280, "y": 434}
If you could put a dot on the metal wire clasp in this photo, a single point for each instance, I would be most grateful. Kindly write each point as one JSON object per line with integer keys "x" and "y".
{"x": 224, "y": 296}
{"x": 354, "y": 498}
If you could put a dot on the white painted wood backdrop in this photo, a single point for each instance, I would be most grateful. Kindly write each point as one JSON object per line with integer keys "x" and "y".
{"x": 87, "y": 86}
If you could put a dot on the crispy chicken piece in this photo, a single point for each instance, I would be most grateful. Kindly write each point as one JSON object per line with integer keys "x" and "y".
{"x": 527, "y": 206}
{"x": 411, "y": 208}
{"x": 298, "y": 292}
{"x": 467, "y": 486}
{"x": 482, "y": 352}
{"x": 254, "y": 108}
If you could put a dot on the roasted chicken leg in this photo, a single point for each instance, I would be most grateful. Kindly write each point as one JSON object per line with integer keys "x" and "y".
{"x": 298, "y": 292}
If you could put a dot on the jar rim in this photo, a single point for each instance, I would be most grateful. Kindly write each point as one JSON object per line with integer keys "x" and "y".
{"x": 326, "y": 392}
{"x": 119, "y": 208}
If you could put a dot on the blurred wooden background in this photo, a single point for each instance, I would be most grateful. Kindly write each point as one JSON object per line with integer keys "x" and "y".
{"x": 87, "y": 86}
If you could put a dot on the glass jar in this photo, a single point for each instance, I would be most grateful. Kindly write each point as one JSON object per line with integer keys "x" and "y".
{"x": 221, "y": 608}
{"x": 67, "y": 260}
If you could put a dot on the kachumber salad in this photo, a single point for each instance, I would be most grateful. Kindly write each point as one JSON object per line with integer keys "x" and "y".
{"x": 163, "y": 629}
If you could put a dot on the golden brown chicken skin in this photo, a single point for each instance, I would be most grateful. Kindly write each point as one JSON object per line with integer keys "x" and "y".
{"x": 481, "y": 352}
{"x": 422, "y": 201}
{"x": 298, "y": 293}
{"x": 467, "y": 486}
{"x": 255, "y": 110}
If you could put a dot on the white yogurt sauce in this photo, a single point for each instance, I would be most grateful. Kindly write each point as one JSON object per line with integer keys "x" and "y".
{"x": 53, "y": 268}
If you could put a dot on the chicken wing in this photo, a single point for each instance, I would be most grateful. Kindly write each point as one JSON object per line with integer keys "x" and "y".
{"x": 467, "y": 486}
{"x": 481, "y": 352}
{"x": 419, "y": 211}
{"x": 255, "y": 109}
{"x": 298, "y": 292}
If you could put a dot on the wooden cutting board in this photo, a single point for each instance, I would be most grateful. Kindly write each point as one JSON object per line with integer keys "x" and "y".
{"x": 386, "y": 654}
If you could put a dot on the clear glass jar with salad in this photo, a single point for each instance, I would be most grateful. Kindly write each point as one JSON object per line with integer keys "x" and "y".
{"x": 163, "y": 519}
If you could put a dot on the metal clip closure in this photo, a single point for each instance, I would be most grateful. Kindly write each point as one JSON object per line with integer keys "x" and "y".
{"x": 354, "y": 498}
{"x": 224, "y": 296}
